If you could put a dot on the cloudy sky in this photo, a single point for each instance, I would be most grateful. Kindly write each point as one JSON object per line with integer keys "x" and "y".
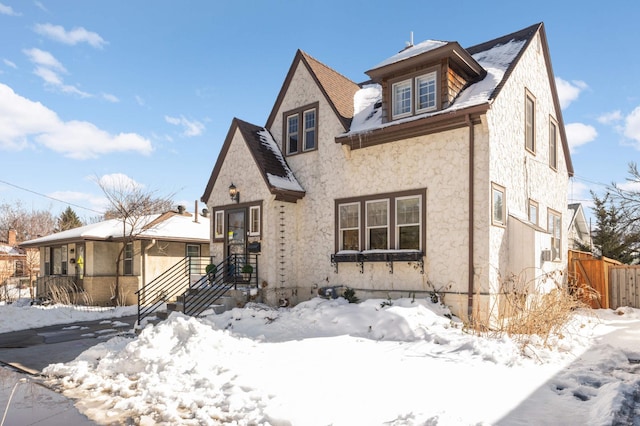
{"x": 146, "y": 90}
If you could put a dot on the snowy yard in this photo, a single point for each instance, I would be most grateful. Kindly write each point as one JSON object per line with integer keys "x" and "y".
{"x": 328, "y": 362}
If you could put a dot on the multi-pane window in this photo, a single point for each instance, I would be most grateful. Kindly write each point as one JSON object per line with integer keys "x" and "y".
{"x": 529, "y": 123}
{"x": 553, "y": 145}
{"x": 219, "y": 224}
{"x": 309, "y": 130}
{"x": 128, "y": 259}
{"x": 47, "y": 261}
{"x": 414, "y": 95}
{"x": 426, "y": 92}
{"x": 292, "y": 134}
{"x": 499, "y": 211}
{"x": 402, "y": 99}
{"x": 533, "y": 212}
{"x": 301, "y": 129}
{"x": 18, "y": 270}
{"x": 349, "y": 223}
{"x": 193, "y": 250}
{"x": 381, "y": 222}
{"x": 408, "y": 223}
{"x": 254, "y": 220}
{"x": 377, "y": 224}
{"x": 555, "y": 229}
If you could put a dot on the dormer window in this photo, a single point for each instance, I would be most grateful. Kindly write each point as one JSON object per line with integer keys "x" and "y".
{"x": 415, "y": 95}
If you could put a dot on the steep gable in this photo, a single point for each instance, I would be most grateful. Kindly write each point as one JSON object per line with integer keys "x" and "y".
{"x": 267, "y": 157}
{"x": 336, "y": 88}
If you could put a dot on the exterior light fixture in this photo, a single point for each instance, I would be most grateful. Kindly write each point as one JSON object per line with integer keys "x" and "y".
{"x": 234, "y": 193}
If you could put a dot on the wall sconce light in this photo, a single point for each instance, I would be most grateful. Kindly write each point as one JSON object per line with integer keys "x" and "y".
{"x": 234, "y": 193}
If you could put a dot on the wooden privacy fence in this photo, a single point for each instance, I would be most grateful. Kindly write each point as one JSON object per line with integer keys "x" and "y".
{"x": 589, "y": 278}
{"x": 624, "y": 283}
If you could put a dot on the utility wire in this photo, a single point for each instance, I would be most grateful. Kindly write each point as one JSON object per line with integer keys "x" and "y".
{"x": 51, "y": 198}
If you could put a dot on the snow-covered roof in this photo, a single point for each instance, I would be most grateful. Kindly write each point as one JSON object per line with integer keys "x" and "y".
{"x": 495, "y": 60}
{"x": 286, "y": 181}
{"x": 412, "y": 51}
{"x": 7, "y": 250}
{"x": 174, "y": 227}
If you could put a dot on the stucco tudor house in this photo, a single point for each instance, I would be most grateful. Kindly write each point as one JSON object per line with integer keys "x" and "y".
{"x": 83, "y": 259}
{"x": 446, "y": 171}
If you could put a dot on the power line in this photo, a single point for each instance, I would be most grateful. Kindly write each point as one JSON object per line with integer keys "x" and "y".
{"x": 47, "y": 196}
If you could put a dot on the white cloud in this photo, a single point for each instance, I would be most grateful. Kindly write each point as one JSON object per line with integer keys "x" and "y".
{"x": 44, "y": 58}
{"x": 24, "y": 122}
{"x": 73, "y": 37}
{"x": 610, "y": 117}
{"x": 579, "y": 134}
{"x": 48, "y": 68}
{"x": 9, "y": 63}
{"x": 118, "y": 181}
{"x": 139, "y": 100}
{"x": 632, "y": 127}
{"x": 569, "y": 91}
{"x": 111, "y": 98}
{"x": 191, "y": 127}
{"x": 7, "y": 10}
{"x": 41, "y": 6}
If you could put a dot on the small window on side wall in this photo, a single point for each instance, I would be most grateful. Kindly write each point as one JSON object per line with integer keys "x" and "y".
{"x": 553, "y": 145}
{"x": 554, "y": 227}
{"x": 498, "y": 207}
{"x": 533, "y": 212}
{"x": 530, "y": 123}
{"x": 218, "y": 230}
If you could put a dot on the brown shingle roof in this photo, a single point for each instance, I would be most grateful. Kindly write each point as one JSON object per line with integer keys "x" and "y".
{"x": 337, "y": 89}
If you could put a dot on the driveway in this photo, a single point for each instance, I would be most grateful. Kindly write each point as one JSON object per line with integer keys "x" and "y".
{"x": 32, "y": 350}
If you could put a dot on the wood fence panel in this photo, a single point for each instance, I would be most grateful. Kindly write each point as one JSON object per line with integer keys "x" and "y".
{"x": 590, "y": 278}
{"x": 625, "y": 286}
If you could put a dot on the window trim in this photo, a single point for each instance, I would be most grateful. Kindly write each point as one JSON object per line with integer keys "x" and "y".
{"x": 300, "y": 113}
{"x": 367, "y": 227}
{"x": 532, "y": 203}
{"x": 218, "y": 221}
{"x": 530, "y": 128}
{"x": 551, "y": 228}
{"x": 553, "y": 148}
{"x": 391, "y": 196}
{"x": 398, "y": 226}
{"x": 127, "y": 260}
{"x": 412, "y": 81}
{"x": 341, "y": 229}
{"x": 254, "y": 232}
{"x": 501, "y": 189}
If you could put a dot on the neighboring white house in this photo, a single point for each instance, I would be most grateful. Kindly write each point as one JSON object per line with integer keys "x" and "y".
{"x": 579, "y": 230}
{"x": 447, "y": 171}
{"x": 85, "y": 257}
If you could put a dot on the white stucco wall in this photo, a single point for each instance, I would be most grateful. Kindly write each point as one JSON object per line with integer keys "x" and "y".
{"x": 524, "y": 175}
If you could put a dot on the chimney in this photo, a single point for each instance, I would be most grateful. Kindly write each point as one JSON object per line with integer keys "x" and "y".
{"x": 11, "y": 239}
{"x": 181, "y": 209}
{"x": 196, "y": 212}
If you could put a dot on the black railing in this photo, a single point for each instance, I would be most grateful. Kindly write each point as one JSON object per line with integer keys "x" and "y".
{"x": 196, "y": 296}
{"x": 236, "y": 269}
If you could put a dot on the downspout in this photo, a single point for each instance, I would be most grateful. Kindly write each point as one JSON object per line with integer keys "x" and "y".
{"x": 471, "y": 219}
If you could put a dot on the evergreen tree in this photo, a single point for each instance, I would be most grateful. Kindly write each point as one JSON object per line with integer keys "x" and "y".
{"x": 612, "y": 237}
{"x": 68, "y": 220}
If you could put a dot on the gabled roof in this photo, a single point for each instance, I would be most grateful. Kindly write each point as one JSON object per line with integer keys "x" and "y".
{"x": 7, "y": 250}
{"x": 338, "y": 90}
{"x": 578, "y": 219}
{"x": 267, "y": 157}
{"x": 498, "y": 57}
{"x": 169, "y": 226}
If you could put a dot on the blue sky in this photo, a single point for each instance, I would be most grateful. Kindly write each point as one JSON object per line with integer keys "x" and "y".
{"x": 147, "y": 89}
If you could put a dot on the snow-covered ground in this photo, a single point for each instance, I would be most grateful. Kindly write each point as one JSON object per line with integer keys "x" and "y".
{"x": 328, "y": 362}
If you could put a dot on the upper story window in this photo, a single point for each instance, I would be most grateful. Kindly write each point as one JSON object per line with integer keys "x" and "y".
{"x": 415, "y": 95}
{"x": 301, "y": 129}
{"x": 553, "y": 144}
{"x": 530, "y": 123}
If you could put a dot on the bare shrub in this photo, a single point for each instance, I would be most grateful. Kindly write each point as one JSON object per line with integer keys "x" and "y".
{"x": 67, "y": 292}
{"x": 523, "y": 309}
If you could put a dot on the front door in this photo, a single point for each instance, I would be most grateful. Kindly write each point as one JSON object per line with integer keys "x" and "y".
{"x": 236, "y": 236}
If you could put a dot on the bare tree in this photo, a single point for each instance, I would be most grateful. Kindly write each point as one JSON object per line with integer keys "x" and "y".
{"x": 134, "y": 207}
{"x": 27, "y": 224}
